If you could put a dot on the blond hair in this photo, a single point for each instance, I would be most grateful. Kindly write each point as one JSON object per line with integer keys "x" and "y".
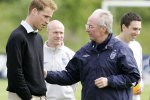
{"x": 41, "y": 4}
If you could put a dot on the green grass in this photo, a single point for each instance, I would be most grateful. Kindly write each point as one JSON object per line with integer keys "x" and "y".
{"x": 3, "y": 93}
{"x": 78, "y": 92}
{"x": 146, "y": 93}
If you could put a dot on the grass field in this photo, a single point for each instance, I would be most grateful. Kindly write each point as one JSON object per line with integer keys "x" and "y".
{"x": 3, "y": 93}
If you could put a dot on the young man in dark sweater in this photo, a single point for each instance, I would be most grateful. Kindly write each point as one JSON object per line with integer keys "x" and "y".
{"x": 25, "y": 54}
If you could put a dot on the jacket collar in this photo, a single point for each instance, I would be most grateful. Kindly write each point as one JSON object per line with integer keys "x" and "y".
{"x": 52, "y": 48}
{"x": 109, "y": 44}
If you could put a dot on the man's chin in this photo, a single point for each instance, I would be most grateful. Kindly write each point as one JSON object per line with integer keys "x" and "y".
{"x": 40, "y": 29}
{"x": 133, "y": 39}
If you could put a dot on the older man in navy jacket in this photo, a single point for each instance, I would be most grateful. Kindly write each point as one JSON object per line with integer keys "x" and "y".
{"x": 105, "y": 66}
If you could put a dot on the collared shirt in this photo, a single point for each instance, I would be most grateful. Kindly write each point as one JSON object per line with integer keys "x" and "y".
{"x": 28, "y": 27}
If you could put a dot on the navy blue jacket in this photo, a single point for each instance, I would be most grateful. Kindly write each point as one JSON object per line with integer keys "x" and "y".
{"x": 114, "y": 60}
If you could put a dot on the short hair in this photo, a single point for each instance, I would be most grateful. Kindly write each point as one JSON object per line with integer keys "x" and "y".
{"x": 41, "y": 4}
{"x": 105, "y": 18}
{"x": 127, "y": 18}
{"x": 52, "y": 23}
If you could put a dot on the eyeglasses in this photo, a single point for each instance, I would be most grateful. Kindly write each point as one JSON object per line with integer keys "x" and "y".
{"x": 87, "y": 26}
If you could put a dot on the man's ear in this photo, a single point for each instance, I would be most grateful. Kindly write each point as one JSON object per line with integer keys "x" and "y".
{"x": 34, "y": 11}
{"x": 104, "y": 29}
{"x": 123, "y": 27}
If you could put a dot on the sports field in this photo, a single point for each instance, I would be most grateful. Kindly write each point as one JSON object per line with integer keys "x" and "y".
{"x": 3, "y": 93}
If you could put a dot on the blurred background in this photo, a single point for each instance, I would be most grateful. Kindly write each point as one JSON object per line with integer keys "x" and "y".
{"x": 74, "y": 14}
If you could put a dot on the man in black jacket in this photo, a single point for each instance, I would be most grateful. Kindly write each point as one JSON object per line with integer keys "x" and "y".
{"x": 25, "y": 54}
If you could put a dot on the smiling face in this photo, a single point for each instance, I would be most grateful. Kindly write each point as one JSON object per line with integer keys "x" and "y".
{"x": 99, "y": 25}
{"x": 55, "y": 33}
{"x": 132, "y": 31}
{"x": 96, "y": 32}
{"x": 92, "y": 28}
{"x": 130, "y": 26}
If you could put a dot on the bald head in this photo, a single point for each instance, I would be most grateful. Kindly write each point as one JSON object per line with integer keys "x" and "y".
{"x": 55, "y": 33}
{"x": 54, "y": 24}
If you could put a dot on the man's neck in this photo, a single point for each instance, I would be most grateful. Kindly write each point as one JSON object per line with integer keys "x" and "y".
{"x": 123, "y": 38}
{"x": 102, "y": 39}
{"x": 29, "y": 21}
{"x": 52, "y": 45}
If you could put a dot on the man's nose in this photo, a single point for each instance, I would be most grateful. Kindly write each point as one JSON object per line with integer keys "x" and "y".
{"x": 87, "y": 29}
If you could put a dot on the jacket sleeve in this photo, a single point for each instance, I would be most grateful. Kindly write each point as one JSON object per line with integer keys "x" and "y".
{"x": 15, "y": 73}
{"x": 129, "y": 73}
{"x": 66, "y": 77}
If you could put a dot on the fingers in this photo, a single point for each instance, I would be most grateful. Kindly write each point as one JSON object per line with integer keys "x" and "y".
{"x": 101, "y": 82}
{"x": 138, "y": 92}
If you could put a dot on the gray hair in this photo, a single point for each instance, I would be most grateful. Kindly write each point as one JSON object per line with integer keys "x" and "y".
{"x": 105, "y": 18}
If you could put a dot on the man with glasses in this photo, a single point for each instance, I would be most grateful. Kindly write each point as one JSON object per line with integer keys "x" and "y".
{"x": 105, "y": 66}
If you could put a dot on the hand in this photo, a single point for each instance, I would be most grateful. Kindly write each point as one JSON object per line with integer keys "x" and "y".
{"x": 138, "y": 92}
{"x": 101, "y": 82}
{"x": 137, "y": 89}
{"x": 45, "y": 73}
